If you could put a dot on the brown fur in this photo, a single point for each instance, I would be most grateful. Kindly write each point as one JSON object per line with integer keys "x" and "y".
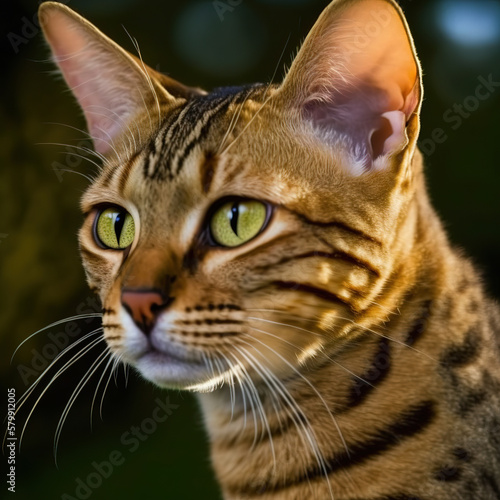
{"x": 383, "y": 349}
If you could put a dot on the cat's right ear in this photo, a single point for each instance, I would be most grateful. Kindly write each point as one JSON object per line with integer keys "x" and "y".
{"x": 112, "y": 86}
{"x": 356, "y": 82}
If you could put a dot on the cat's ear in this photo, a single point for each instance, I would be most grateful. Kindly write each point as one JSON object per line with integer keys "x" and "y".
{"x": 357, "y": 80}
{"x": 112, "y": 86}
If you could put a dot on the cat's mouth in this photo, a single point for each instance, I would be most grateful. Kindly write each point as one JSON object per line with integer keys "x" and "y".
{"x": 160, "y": 360}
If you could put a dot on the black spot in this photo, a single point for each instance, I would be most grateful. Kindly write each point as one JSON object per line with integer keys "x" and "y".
{"x": 463, "y": 354}
{"x": 462, "y": 455}
{"x": 473, "y": 306}
{"x": 379, "y": 369}
{"x": 420, "y": 324}
{"x": 448, "y": 473}
{"x": 470, "y": 399}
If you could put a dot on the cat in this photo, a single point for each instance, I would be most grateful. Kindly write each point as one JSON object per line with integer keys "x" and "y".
{"x": 273, "y": 248}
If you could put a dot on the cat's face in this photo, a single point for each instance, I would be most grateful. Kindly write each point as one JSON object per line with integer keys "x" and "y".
{"x": 246, "y": 231}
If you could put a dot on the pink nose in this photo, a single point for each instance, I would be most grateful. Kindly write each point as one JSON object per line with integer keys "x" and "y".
{"x": 144, "y": 305}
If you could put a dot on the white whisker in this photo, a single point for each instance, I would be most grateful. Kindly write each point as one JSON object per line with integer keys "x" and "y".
{"x": 56, "y": 323}
{"x": 307, "y": 381}
{"x": 69, "y": 363}
{"x": 88, "y": 375}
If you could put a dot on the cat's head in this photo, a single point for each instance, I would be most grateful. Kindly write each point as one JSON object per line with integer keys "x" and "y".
{"x": 247, "y": 230}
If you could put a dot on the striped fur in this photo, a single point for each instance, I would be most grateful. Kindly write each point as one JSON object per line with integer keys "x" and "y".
{"x": 348, "y": 351}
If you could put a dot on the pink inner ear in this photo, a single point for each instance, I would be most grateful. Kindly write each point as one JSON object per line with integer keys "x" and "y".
{"x": 356, "y": 78}
{"x": 359, "y": 116}
{"x": 84, "y": 83}
{"x": 391, "y": 135}
{"x": 105, "y": 85}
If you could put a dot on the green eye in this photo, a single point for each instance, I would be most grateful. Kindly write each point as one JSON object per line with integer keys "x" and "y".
{"x": 115, "y": 228}
{"x": 237, "y": 222}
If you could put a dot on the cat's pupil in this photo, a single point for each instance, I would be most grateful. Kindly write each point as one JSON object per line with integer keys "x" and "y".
{"x": 119, "y": 222}
{"x": 234, "y": 217}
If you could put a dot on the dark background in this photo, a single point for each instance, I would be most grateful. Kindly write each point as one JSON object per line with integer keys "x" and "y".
{"x": 41, "y": 276}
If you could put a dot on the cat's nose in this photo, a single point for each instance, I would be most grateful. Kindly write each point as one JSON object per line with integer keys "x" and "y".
{"x": 144, "y": 305}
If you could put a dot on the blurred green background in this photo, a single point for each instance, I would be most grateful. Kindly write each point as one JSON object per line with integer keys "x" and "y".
{"x": 208, "y": 44}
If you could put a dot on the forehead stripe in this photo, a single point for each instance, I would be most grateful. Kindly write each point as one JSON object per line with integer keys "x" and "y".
{"x": 155, "y": 147}
{"x": 198, "y": 113}
{"x": 192, "y": 122}
{"x": 200, "y": 132}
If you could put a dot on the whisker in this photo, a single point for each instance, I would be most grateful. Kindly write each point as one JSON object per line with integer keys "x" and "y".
{"x": 262, "y": 412}
{"x": 287, "y": 325}
{"x": 117, "y": 360}
{"x": 120, "y": 122}
{"x": 69, "y": 363}
{"x": 70, "y": 153}
{"x": 357, "y": 325}
{"x": 88, "y": 135}
{"x": 97, "y": 389}
{"x": 30, "y": 390}
{"x": 232, "y": 123}
{"x": 61, "y": 321}
{"x": 308, "y": 382}
{"x": 248, "y": 124}
{"x": 366, "y": 329}
{"x": 146, "y": 74}
{"x": 74, "y": 171}
{"x": 88, "y": 375}
{"x": 321, "y": 350}
{"x": 22, "y": 400}
{"x": 298, "y": 417}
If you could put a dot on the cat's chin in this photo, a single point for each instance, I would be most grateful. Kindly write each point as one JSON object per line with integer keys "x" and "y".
{"x": 170, "y": 371}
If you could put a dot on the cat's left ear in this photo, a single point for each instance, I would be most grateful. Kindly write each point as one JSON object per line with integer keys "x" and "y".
{"x": 113, "y": 87}
{"x": 356, "y": 81}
